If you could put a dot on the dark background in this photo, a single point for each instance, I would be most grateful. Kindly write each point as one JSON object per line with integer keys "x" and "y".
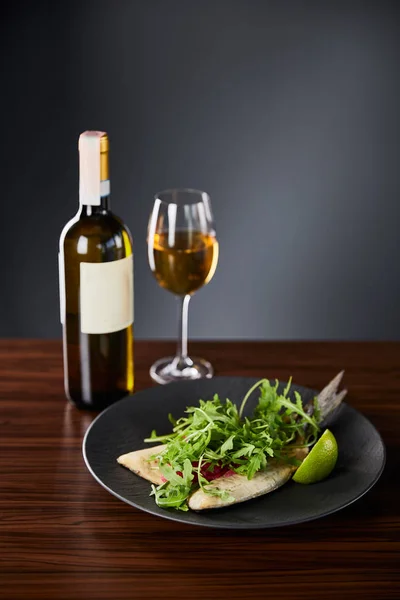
{"x": 286, "y": 112}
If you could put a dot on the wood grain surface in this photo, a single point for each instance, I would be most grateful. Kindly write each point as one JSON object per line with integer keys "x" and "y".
{"x": 63, "y": 536}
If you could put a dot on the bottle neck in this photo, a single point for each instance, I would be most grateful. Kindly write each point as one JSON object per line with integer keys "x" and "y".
{"x": 87, "y": 210}
{"x": 94, "y": 176}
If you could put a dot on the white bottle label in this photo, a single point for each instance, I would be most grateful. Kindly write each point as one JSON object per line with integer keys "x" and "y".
{"x": 61, "y": 279}
{"x": 106, "y": 295}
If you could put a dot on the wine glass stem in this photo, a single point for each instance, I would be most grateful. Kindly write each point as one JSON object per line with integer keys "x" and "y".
{"x": 183, "y": 327}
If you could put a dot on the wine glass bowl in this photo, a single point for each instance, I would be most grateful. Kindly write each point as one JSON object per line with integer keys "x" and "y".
{"x": 183, "y": 256}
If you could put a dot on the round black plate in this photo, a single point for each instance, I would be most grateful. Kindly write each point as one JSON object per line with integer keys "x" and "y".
{"x": 122, "y": 428}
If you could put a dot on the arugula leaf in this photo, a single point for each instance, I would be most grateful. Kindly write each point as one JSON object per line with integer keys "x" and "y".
{"x": 228, "y": 444}
{"x": 170, "y": 497}
{"x": 223, "y": 494}
{"x": 255, "y": 463}
{"x": 287, "y": 388}
{"x": 246, "y": 450}
{"x": 316, "y": 411}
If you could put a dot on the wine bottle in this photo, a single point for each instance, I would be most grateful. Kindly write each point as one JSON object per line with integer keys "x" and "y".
{"x": 96, "y": 288}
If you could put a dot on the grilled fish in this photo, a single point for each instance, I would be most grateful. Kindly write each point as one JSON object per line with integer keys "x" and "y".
{"x": 138, "y": 462}
{"x": 238, "y": 487}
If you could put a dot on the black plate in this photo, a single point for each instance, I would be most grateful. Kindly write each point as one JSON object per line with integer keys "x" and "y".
{"x": 122, "y": 428}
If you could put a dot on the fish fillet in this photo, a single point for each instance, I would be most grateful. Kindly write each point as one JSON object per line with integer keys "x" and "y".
{"x": 241, "y": 489}
{"x": 138, "y": 462}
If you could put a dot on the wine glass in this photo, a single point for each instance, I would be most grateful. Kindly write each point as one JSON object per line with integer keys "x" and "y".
{"x": 183, "y": 256}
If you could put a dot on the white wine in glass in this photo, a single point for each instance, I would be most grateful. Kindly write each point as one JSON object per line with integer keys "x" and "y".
{"x": 183, "y": 256}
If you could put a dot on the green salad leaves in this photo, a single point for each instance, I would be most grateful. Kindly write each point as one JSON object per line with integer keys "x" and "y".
{"x": 215, "y": 439}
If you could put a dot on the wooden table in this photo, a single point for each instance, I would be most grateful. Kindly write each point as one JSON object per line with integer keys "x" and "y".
{"x": 63, "y": 536}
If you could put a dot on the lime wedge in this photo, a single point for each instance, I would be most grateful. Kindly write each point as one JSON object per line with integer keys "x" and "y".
{"x": 320, "y": 462}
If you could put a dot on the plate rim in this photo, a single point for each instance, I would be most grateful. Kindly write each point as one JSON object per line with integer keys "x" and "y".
{"x": 243, "y": 526}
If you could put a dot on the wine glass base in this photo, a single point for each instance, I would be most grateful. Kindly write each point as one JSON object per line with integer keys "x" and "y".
{"x": 166, "y": 370}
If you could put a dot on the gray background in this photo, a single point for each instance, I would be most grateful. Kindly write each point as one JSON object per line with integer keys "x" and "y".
{"x": 286, "y": 112}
